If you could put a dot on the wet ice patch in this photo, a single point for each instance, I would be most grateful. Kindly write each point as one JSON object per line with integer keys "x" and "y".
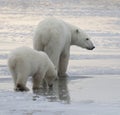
{"x": 96, "y": 70}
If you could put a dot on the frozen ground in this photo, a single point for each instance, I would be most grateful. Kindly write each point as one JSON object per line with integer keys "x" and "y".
{"x": 93, "y": 85}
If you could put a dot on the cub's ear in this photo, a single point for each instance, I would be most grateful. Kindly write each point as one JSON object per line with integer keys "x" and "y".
{"x": 77, "y": 31}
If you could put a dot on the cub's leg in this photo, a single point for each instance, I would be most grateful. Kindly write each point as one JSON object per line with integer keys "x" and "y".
{"x": 21, "y": 83}
{"x": 38, "y": 80}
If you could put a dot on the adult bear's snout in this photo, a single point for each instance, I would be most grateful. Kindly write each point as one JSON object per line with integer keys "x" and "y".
{"x": 91, "y": 48}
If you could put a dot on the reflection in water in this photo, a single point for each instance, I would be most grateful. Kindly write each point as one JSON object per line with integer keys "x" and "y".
{"x": 59, "y": 92}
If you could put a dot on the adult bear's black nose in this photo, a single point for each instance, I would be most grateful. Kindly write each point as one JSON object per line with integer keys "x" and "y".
{"x": 91, "y": 48}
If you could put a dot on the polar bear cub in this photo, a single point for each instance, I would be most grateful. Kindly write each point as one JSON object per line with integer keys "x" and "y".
{"x": 24, "y": 62}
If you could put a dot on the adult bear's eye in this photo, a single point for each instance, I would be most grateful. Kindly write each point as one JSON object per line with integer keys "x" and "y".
{"x": 87, "y": 38}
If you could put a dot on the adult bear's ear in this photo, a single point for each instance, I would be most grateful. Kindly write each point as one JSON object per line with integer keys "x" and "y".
{"x": 77, "y": 31}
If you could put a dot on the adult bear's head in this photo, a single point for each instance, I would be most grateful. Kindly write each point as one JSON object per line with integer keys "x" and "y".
{"x": 80, "y": 38}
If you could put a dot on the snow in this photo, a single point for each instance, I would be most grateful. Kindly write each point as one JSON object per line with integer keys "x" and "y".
{"x": 92, "y": 87}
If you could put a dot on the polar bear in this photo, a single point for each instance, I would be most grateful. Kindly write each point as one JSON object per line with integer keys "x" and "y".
{"x": 24, "y": 62}
{"x": 54, "y": 36}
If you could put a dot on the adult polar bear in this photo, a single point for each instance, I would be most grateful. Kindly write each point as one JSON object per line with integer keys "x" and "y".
{"x": 55, "y": 37}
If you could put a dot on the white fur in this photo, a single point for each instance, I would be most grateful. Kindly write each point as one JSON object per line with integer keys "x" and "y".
{"x": 55, "y": 37}
{"x": 24, "y": 62}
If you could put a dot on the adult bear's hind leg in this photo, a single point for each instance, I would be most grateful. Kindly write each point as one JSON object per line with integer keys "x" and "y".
{"x": 53, "y": 54}
{"x": 63, "y": 63}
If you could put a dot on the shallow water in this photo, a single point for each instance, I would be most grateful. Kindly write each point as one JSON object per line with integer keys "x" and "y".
{"x": 94, "y": 76}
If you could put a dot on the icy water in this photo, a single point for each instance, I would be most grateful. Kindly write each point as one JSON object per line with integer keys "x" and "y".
{"x": 92, "y": 87}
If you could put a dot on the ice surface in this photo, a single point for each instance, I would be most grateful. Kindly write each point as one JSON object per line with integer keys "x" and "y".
{"x": 92, "y": 87}
{"x": 86, "y": 95}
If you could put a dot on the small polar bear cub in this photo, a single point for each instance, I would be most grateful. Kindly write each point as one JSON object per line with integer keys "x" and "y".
{"x": 24, "y": 62}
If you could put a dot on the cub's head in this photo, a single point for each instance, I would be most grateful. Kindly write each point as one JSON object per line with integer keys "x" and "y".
{"x": 51, "y": 75}
{"x": 80, "y": 38}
